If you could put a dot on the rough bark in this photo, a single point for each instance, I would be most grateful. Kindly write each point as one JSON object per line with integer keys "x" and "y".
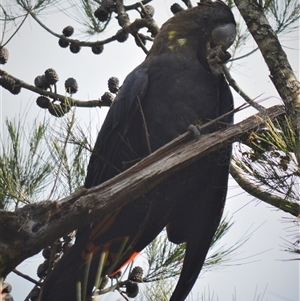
{"x": 281, "y": 72}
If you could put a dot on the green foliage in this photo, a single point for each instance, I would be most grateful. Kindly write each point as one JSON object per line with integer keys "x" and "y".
{"x": 19, "y": 8}
{"x": 284, "y": 14}
{"x": 89, "y": 21}
{"x": 294, "y": 235}
{"x": 46, "y": 158}
{"x": 24, "y": 169}
{"x": 70, "y": 155}
{"x": 164, "y": 259}
{"x": 270, "y": 160}
{"x": 160, "y": 290}
{"x": 163, "y": 262}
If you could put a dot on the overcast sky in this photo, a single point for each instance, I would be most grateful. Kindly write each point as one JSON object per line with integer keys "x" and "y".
{"x": 261, "y": 270}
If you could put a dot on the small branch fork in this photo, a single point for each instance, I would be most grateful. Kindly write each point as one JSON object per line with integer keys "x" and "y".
{"x": 71, "y": 101}
{"x": 123, "y": 19}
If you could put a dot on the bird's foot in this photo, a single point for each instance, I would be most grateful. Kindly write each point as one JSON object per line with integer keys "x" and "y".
{"x": 216, "y": 57}
{"x": 195, "y": 130}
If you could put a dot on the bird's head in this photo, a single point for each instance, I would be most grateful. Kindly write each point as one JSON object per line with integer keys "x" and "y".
{"x": 205, "y": 32}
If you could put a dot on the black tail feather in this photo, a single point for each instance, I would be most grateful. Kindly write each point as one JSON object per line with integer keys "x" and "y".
{"x": 195, "y": 255}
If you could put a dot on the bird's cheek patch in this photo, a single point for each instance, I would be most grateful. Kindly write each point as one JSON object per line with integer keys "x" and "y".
{"x": 181, "y": 42}
{"x": 172, "y": 35}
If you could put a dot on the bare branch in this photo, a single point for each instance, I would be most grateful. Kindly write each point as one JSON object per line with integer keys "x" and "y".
{"x": 136, "y": 5}
{"x": 244, "y": 55}
{"x": 17, "y": 29}
{"x": 260, "y": 193}
{"x": 62, "y": 98}
{"x": 123, "y": 19}
{"x": 26, "y": 277}
{"x": 235, "y": 86}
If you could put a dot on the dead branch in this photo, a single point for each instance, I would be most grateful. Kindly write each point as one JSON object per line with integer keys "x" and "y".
{"x": 36, "y": 226}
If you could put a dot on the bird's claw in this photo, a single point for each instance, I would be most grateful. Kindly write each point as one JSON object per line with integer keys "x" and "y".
{"x": 216, "y": 57}
{"x": 195, "y": 130}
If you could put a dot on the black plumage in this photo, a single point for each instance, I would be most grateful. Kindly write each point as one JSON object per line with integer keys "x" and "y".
{"x": 179, "y": 83}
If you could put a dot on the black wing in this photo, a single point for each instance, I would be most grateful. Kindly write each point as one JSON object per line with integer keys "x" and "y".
{"x": 104, "y": 163}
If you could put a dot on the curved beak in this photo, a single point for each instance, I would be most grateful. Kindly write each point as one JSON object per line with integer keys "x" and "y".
{"x": 224, "y": 35}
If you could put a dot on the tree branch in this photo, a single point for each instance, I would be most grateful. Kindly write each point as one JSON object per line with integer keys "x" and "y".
{"x": 260, "y": 193}
{"x": 127, "y": 27}
{"x": 62, "y": 98}
{"x": 232, "y": 83}
{"x": 282, "y": 74}
{"x": 36, "y": 226}
{"x": 26, "y": 277}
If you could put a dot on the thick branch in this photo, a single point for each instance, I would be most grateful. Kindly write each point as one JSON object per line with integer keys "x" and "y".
{"x": 260, "y": 193}
{"x": 282, "y": 74}
{"x": 36, "y": 226}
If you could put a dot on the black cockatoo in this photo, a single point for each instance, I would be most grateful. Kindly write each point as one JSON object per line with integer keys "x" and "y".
{"x": 180, "y": 83}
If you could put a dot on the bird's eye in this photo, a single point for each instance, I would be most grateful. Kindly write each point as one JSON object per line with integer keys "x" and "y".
{"x": 202, "y": 19}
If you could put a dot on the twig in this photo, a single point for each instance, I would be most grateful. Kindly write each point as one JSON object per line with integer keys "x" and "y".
{"x": 28, "y": 12}
{"x": 62, "y": 154}
{"x": 141, "y": 44}
{"x": 62, "y": 98}
{"x": 27, "y": 277}
{"x": 243, "y": 56}
{"x": 81, "y": 43}
{"x": 260, "y": 193}
{"x": 128, "y": 27}
{"x": 136, "y": 5}
{"x": 235, "y": 86}
{"x": 4, "y": 27}
{"x": 135, "y": 26}
{"x": 144, "y": 124}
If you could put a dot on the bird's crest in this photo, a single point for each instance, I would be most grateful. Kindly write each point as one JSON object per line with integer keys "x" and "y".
{"x": 210, "y": 2}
